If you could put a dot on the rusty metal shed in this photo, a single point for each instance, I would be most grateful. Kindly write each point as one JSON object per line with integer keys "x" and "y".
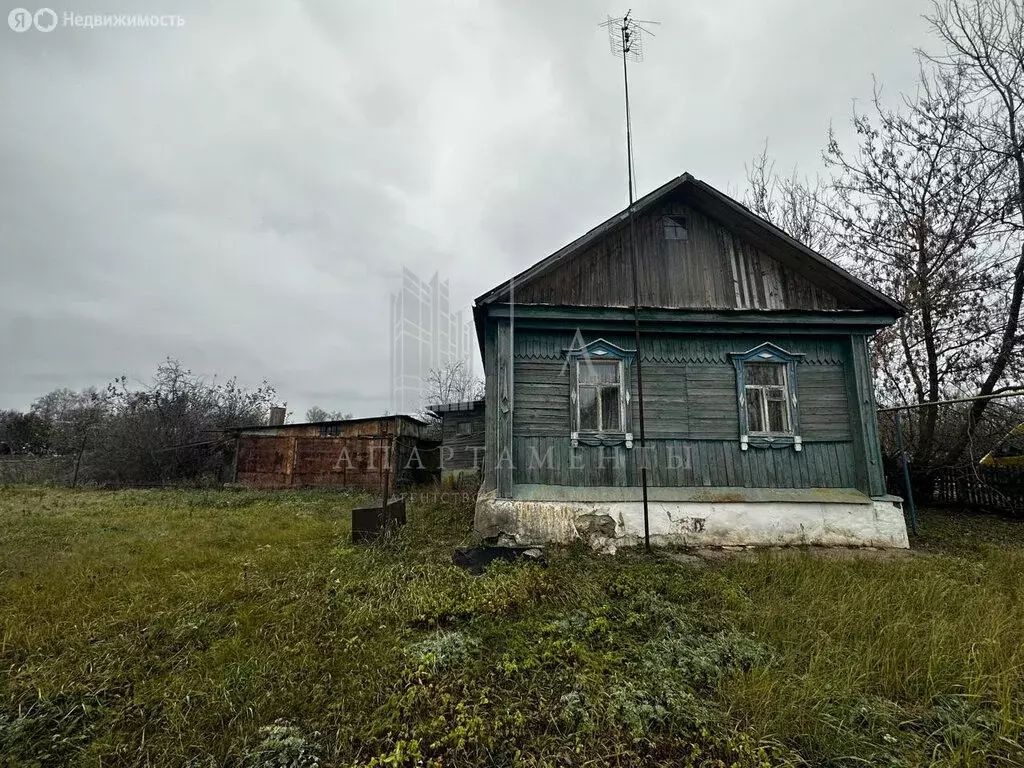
{"x": 354, "y": 453}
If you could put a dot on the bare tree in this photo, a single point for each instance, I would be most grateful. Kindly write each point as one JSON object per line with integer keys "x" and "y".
{"x": 169, "y": 430}
{"x": 984, "y": 42}
{"x": 922, "y": 209}
{"x": 316, "y": 413}
{"x": 919, "y": 213}
{"x": 452, "y": 383}
{"x": 68, "y": 415}
{"x": 797, "y": 206}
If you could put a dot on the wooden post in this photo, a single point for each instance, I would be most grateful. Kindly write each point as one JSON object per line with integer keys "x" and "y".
{"x": 234, "y": 458}
{"x": 867, "y": 413}
{"x": 490, "y": 416}
{"x": 504, "y": 450}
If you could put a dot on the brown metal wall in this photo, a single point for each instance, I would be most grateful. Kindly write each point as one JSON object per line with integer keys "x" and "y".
{"x": 297, "y": 457}
{"x": 264, "y": 462}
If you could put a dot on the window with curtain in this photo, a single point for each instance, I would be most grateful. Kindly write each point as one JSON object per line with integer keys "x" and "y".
{"x": 600, "y": 396}
{"x": 767, "y": 397}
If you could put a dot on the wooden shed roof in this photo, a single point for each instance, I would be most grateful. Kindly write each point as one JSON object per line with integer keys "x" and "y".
{"x": 467, "y": 405}
{"x": 742, "y": 221}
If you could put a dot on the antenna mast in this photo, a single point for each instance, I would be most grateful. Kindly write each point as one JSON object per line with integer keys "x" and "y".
{"x": 626, "y": 37}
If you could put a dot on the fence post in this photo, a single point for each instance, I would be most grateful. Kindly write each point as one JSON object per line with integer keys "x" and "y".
{"x": 906, "y": 472}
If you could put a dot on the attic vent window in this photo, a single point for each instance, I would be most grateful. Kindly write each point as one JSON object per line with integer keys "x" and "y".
{"x": 675, "y": 228}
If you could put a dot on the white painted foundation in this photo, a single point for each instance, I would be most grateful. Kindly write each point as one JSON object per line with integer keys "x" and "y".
{"x": 846, "y": 518}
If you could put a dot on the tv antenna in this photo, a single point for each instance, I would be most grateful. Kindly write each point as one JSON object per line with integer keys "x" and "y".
{"x": 626, "y": 36}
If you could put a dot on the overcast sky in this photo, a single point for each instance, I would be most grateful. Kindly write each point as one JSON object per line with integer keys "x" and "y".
{"x": 242, "y": 192}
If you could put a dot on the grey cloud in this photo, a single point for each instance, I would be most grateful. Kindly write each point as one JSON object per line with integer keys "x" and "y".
{"x": 243, "y": 192}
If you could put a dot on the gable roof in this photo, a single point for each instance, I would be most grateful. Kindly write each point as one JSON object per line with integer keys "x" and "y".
{"x": 781, "y": 246}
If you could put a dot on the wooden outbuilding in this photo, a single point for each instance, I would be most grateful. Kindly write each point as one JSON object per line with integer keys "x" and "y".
{"x": 462, "y": 440}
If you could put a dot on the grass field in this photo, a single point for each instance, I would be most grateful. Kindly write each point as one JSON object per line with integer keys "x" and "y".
{"x": 240, "y": 628}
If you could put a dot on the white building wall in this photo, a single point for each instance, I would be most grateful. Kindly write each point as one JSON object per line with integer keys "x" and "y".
{"x": 608, "y": 525}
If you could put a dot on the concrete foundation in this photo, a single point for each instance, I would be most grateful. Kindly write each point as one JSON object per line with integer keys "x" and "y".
{"x": 691, "y": 517}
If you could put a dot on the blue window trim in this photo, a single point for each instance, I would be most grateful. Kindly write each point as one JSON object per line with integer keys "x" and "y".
{"x": 768, "y": 353}
{"x": 600, "y": 349}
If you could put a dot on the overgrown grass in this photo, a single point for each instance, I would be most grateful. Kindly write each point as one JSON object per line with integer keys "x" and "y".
{"x": 241, "y": 628}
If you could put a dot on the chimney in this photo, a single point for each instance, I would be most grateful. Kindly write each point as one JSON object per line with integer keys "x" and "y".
{"x": 277, "y": 416}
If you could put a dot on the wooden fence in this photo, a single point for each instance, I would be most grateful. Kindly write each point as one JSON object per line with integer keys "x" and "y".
{"x": 976, "y": 488}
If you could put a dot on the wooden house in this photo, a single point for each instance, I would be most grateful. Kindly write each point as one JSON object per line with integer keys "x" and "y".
{"x": 759, "y": 412}
{"x": 462, "y": 440}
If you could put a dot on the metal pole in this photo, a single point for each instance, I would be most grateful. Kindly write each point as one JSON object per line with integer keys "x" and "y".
{"x": 1017, "y": 393}
{"x": 511, "y": 376}
{"x": 906, "y": 472}
{"x": 636, "y": 295}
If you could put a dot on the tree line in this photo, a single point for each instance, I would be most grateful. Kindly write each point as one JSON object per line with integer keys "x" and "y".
{"x": 172, "y": 429}
{"x": 927, "y": 204}
{"x": 167, "y": 430}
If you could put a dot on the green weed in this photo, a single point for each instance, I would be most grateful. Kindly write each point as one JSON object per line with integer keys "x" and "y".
{"x": 239, "y": 628}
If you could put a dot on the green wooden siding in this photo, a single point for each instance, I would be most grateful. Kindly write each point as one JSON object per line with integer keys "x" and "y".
{"x": 869, "y": 447}
{"x": 691, "y": 416}
{"x": 667, "y": 405}
{"x": 824, "y": 402}
{"x": 712, "y": 268}
{"x": 463, "y": 451}
{"x": 541, "y": 397}
{"x": 710, "y": 463}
